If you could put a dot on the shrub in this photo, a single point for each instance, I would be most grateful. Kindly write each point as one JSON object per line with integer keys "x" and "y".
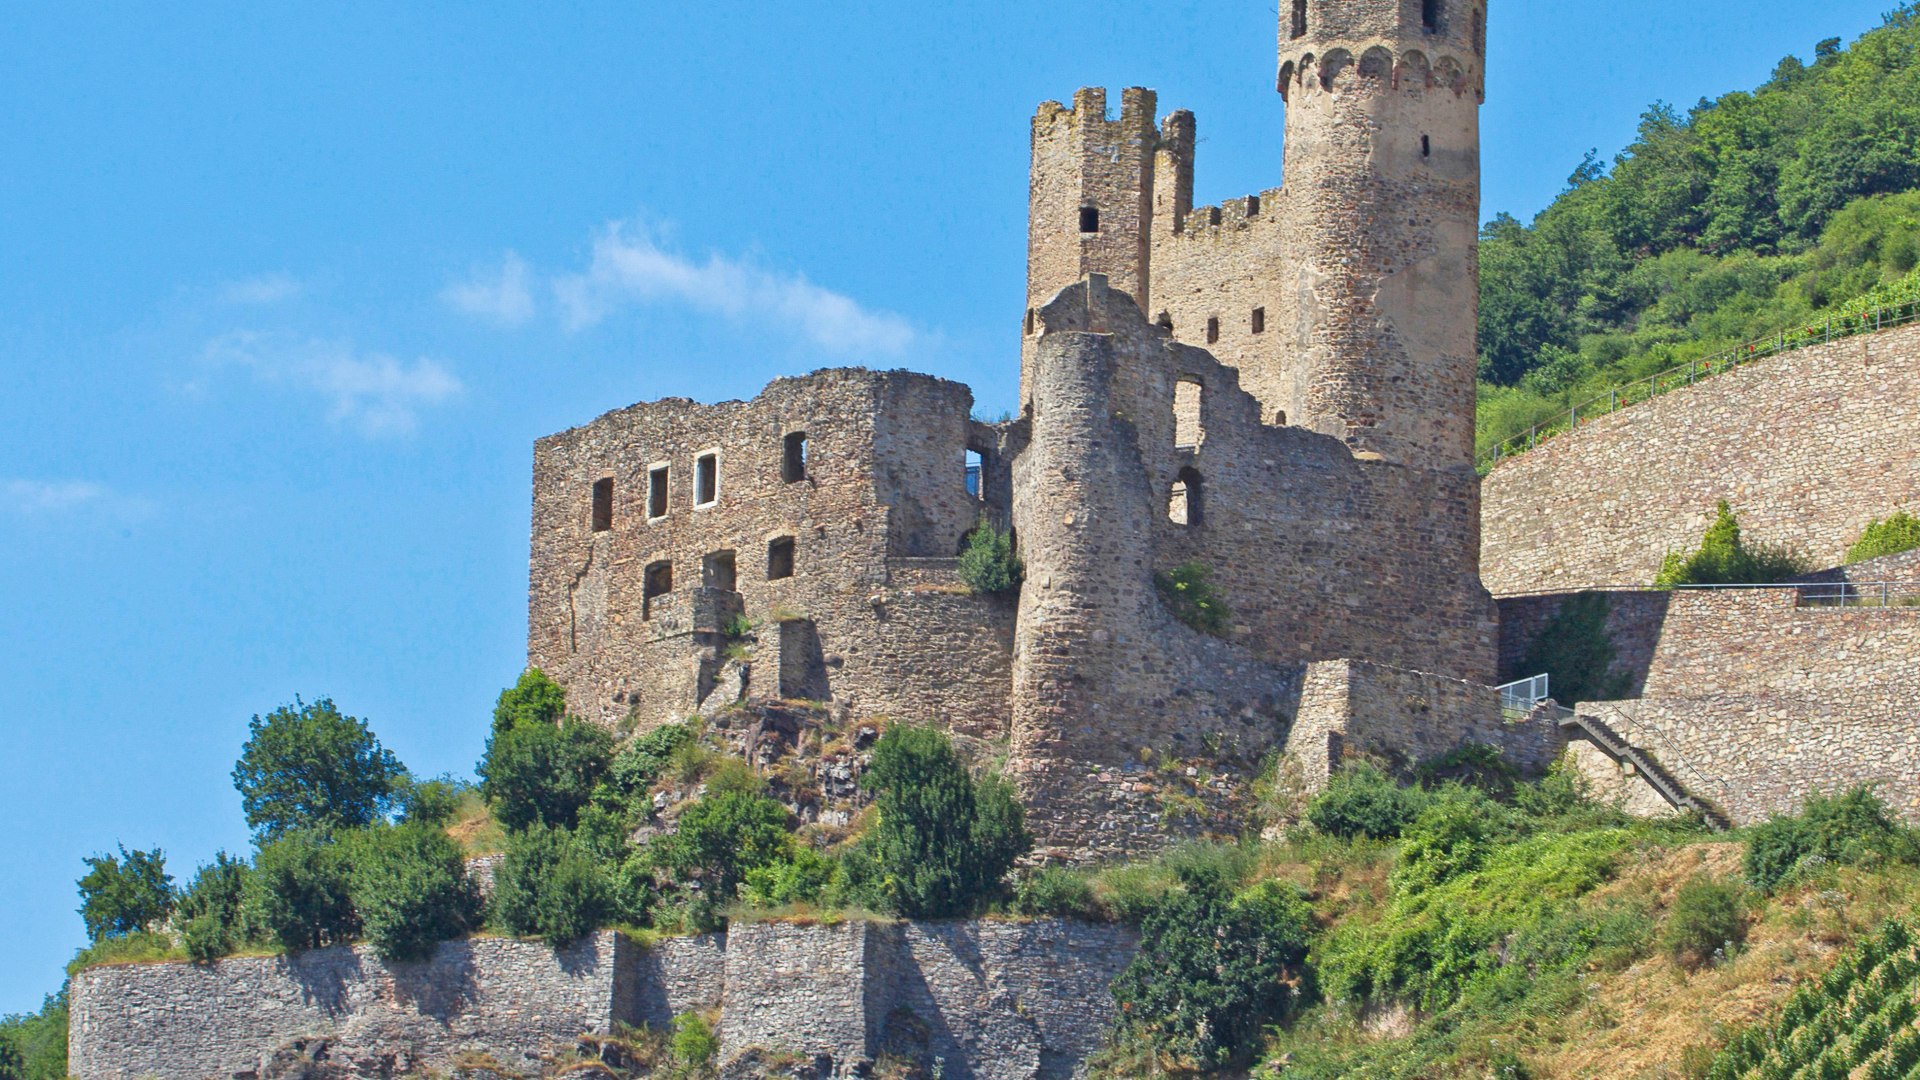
{"x": 1360, "y": 800}
{"x": 410, "y": 888}
{"x": 1850, "y": 829}
{"x": 533, "y": 699}
{"x": 1055, "y": 890}
{"x": 430, "y": 802}
{"x": 212, "y": 912}
{"x": 988, "y": 564}
{"x": 300, "y": 892}
{"x": 310, "y": 767}
{"x": 725, "y": 836}
{"x": 1708, "y": 916}
{"x": 644, "y": 760}
{"x": 694, "y": 1044}
{"x": 1898, "y": 533}
{"x": 548, "y": 887}
{"x": 804, "y": 878}
{"x": 1724, "y": 558}
{"x": 1188, "y": 592}
{"x": 542, "y": 773}
{"x": 1215, "y": 968}
{"x": 1575, "y": 649}
{"x": 941, "y": 842}
{"x": 1453, "y": 835}
{"x": 125, "y": 893}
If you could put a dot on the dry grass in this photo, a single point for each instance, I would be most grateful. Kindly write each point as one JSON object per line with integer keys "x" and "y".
{"x": 473, "y": 826}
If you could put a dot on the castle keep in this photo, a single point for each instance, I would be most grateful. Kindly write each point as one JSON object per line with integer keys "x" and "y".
{"x": 1279, "y": 389}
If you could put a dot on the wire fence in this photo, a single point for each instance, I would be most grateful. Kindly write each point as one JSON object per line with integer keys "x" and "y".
{"x": 1808, "y": 594}
{"x": 1685, "y": 375}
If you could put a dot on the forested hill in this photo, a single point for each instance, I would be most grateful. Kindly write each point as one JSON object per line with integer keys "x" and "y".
{"x": 1719, "y": 225}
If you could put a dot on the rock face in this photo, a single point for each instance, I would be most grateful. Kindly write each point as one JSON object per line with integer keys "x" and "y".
{"x": 1013, "y": 1000}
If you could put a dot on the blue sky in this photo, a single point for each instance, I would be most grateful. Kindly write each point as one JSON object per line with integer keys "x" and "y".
{"x": 289, "y": 291}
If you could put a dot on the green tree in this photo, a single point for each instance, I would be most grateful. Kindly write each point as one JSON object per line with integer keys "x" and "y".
{"x": 1215, "y": 968}
{"x": 549, "y": 886}
{"x": 724, "y": 837}
{"x": 537, "y": 772}
{"x": 33, "y": 1046}
{"x": 125, "y": 893}
{"x": 1898, "y": 533}
{"x": 942, "y": 842}
{"x": 211, "y": 913}
{"x": 409, "y": 887}
{"x": 301, "y": 893}
{"x": 533, "y": 699}
{"x": 988, "y": 564}
{"x": 1724, "y": 558}
{"x": 310, "y": 767}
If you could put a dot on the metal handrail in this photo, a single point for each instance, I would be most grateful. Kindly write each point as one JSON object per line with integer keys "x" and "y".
{"x": 1681, "y": 376}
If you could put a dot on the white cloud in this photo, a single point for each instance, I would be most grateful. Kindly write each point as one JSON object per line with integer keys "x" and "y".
{"x": 374, "y": 392}
{"x": 48, "y": 496}
{"x": 266, "y": 289}
{"x": 629, "y": 265}
{"x": 504, "y": 297}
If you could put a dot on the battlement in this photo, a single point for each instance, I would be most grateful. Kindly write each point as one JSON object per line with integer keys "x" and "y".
{"x": 1089, "y": 111}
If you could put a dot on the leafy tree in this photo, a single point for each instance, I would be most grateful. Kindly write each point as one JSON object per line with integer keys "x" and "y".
{"x": 211, "y": 913}
{"x": 429, "y": 802}
{"x": 533, "y": 699}
{"x": 301, "y": 893}
{"x": 1898, "y": 533}
{"x": 1576, "y": 651}
{"x": 1724, "y": 558}
{"x": 410, "y": 888}
{"x": 537, "y": 772}
{"x": 1360, "y": 800}
{"x": 33, "y": 1046}
{"x": 989, "y": 565}
{"x": 548, "y": 886}
{"x": 307, "y": 766}
{"x": 804, "y": 877}
{"x": 942, "y": 842}
{"x": 1215, "y": 968}
{"x": 125, "y": 893}
{"x": 724, "y": 837}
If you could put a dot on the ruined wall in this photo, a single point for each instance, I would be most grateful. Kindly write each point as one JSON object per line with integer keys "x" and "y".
{"x": 1808, "y": 447}
{"x": 883, "y": 480}
{"x": 1024, "y": 1000}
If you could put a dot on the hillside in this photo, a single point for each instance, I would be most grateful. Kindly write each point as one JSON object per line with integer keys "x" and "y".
{"x": 1725, "y": 223}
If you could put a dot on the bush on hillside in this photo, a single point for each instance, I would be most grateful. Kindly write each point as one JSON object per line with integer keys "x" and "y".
{"x": 988, "y": 565}
{"x": 125, "y": 893}
{"x": 1216, "y": 967}
{"x": 212, "y": 912}
{"x": 1724, "y": 558}
{"x": 1708, "y": 920}
{"x": 537, "y": 772}
{"x": 410, "y": 889}
{"x": 941, "y": 842}
{"x": 1897, "y": 534}
{"x": 430, "y": 802}
{"x": 300, "y": 892}
{"x": 1850, "y": 829}
{"x": 643, "y": 761}
{"x": 806, "y": 877}
{"x": 1058, "y": 891}
{"x": 309, "y": 767}
{"x": 1453, "y": 835}
{"x": 548, "y": 886}
{"x": 724, "y": 837}
{"x": 532, "y": 699}
{"x": 1360, "y": 800}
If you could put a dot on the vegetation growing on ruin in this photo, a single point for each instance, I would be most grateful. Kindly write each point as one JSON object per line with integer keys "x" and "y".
{"x": 1753, "y": 213}
{"x": 989, "y": 566}
{"x": 1188, "y": 592}
{"x": 1898, "y": 533}
{"x": 1725, "y": 558}
{"x": 1575, "y": 650}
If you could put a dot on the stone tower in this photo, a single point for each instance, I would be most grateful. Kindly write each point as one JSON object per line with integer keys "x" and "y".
{"x": 1383, "y": 186}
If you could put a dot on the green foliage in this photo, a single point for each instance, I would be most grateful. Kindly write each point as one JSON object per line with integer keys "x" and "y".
{"x": 1216, "y": 967}
{"x": 212, "y": 913}
{"x": 1575, "y": 649}
{"x": 310, "y": 767}
{"x": 1850, "y": 829}
{"x": 724, "y": 837}
{"x": 1724, "y": 558}
{"x": 1188, "y": 591}
{"x": 1898, "y": 533}
{"x": 694, "y": 1043}
{"x": 430, "y": 802}
{"x": 941, "y": 842}
{"x": 33, "y": 1046}
{"x": 646, "y": 758}
{"x": 805, "y": 878}
{"x": 1708, "y": 920}
{"x": 300, "y": 892}
{"x": 1057, "y": 891}
{"x": 549, "y": 886}
{"x": 533, "y": 699}
{"x": 1453, "y": 835}
{"x": 125, "y": 893}
{"x": 409, "y": 886}
{"x": 538, "y": 772}
{"x": 1360, "y": 800}
{"x": 988, "y": 565}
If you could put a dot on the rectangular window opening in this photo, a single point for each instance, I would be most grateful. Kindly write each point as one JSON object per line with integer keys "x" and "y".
{"x": 706, "y": 479}
{"x": 1259, "y": 320}
{"x": 1299, "y": 18}
{"x": 1188, "y": 432}
{"x": 780, "y": 554}
{"x": 656, "y": 582}
{"x": 975, "y": 474}
{"x": 1253, "y": 206}
{"x": 1213, "y": 330}
{"x": 603, "y": 504}
{"x": 718, "y": 571}
{"x": 793, "y": 459}
{"x": 1430, "y": 15}
{"x": 1426, "y": 146}
{"x": 1089, "y": 219}
{"x": 657, "y": 492}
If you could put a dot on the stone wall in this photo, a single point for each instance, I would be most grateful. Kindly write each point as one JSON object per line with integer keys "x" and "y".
{"x": 1808, "y": 447}
{"x": 1014, "y": 1000}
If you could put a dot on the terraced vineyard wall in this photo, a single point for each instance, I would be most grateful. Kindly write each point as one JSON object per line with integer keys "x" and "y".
{"x": 1807, "y": 447}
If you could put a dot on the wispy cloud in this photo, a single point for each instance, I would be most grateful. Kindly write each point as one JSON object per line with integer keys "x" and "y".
{"x": 629, "y": 265}
{"x": 374, "y": 392}
{"x": 265, "y": 289}
{"x": 33, "y": 497}
{"x": 504, "y": 296}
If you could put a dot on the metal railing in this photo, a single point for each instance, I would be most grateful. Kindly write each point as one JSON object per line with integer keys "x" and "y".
{"x": 1827, "y": 594}
{"x": 1518, "y": 698}
{"x": 1685, "y": 375}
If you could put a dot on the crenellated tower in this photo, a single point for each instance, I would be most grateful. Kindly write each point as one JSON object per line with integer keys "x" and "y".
{"x": 1383, "y": 185}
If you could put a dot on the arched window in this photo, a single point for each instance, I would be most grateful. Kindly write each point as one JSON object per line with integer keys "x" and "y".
{"x": 1299, "y": 28}
{"x": 658, "y": 581}
{"x": 1186, "y": 503}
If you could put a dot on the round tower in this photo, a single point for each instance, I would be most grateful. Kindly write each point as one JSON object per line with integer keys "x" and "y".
{"x": 1383, "y": 181}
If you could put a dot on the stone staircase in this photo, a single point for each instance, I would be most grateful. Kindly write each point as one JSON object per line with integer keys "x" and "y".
{"x": 1622, "y": 751}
